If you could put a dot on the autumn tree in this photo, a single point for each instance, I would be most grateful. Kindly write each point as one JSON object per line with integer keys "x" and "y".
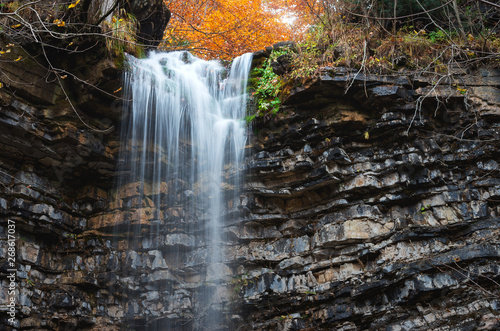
{"x": 225, "y": 28}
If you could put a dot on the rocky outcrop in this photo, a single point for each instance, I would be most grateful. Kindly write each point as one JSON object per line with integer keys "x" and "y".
{"x": 57, "y": 162}
{"x": 375, "y": 208}
{"x": 153, "y": 17}
{"x": 60, "y": 114}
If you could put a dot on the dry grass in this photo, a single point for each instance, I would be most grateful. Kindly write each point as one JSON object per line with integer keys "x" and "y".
{"x": 380, "y": 52}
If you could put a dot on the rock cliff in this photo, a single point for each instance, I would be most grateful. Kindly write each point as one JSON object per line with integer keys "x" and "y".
{"x": 374, "y": 208}
{"x": 367, "y": 209}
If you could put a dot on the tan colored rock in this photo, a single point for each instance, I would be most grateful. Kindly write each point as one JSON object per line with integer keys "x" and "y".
{"x": 128, "y": 190}
{"x": 334, "y": 234}
{"x": 29, "y": 252}
{"x": 141, "y": 216}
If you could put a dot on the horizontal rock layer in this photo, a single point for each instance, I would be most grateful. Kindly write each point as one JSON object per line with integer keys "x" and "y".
{"x": 375, "y": 208}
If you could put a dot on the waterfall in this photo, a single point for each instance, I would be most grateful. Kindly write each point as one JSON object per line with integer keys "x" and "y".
{"x": 183, "y": 141}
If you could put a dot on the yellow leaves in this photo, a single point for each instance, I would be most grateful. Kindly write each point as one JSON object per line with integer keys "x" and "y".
{"x": 117, "y": 90}
{"x": 59, "y": 23}
{"x": 225, "y": 28}
{"x": 1, "y": 84}
{"x": 64, "y": 77}
{"x": 8, "y": 50}
{"x": 367, "y": 135}
{"x": 459, "y": 89}
{"x": 15, "y": 26}
{"x": 114, "y": 20}
{"x": 73, "y": 5}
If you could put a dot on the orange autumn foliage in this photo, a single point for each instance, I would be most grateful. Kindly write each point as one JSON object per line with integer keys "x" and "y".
{"x": 225, "y": 28}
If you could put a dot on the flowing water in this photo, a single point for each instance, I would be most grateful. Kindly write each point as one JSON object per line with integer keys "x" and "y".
{"x": 182, "y": 145}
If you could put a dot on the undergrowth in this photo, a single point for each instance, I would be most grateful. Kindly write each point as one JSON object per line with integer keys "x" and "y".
{"x": 266, "y": 86}
{"x": 408, "y": 51}
{"x": 122, "y": 38}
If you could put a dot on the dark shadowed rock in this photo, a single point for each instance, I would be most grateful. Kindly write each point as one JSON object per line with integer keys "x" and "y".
{"x": 153, "y": 17}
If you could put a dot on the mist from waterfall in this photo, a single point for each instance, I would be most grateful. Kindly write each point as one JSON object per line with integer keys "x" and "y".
{"x": 183, "y": 141}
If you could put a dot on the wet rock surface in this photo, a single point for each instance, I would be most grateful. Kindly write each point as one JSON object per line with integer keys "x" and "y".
{"x": 367, "y": 210}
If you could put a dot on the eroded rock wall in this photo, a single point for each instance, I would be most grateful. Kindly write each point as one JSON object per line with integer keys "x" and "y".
{"x": 57, "y": 162}
{"x": 358, "y": 212}
{"x": 374, "y": 209}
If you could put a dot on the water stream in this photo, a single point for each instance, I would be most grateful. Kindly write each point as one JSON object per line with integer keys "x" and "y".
{"x": 182, "y": 145}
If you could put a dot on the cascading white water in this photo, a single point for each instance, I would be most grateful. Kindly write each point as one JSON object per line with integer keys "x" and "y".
{"x": 183, "y": 142}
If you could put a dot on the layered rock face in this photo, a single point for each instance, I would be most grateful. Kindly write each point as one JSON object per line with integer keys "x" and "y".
{"x": 376, "y": 209}
{"x": 57, "y": 162}
{"x": 358, "y": 212}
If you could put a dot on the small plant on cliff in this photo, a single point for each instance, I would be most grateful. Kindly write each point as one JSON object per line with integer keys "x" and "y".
{"x": 29, "y": 282}
{"x": 71, "y": 235}
{"x": 123, "y": 30}
{"x": 267, "y": 86}
{"x": 240, "y": 282}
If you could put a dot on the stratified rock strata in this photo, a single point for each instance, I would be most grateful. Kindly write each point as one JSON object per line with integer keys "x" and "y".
{"x": 377, "y": 209}
{"x": 371, "y": 209}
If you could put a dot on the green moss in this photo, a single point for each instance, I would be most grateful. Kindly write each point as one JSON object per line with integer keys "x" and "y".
{"x": 123, "y": 39}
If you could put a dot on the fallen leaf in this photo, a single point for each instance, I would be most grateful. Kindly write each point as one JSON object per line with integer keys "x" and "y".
{"x": 59, "y": 22}
{"x": 73, "y": 5}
